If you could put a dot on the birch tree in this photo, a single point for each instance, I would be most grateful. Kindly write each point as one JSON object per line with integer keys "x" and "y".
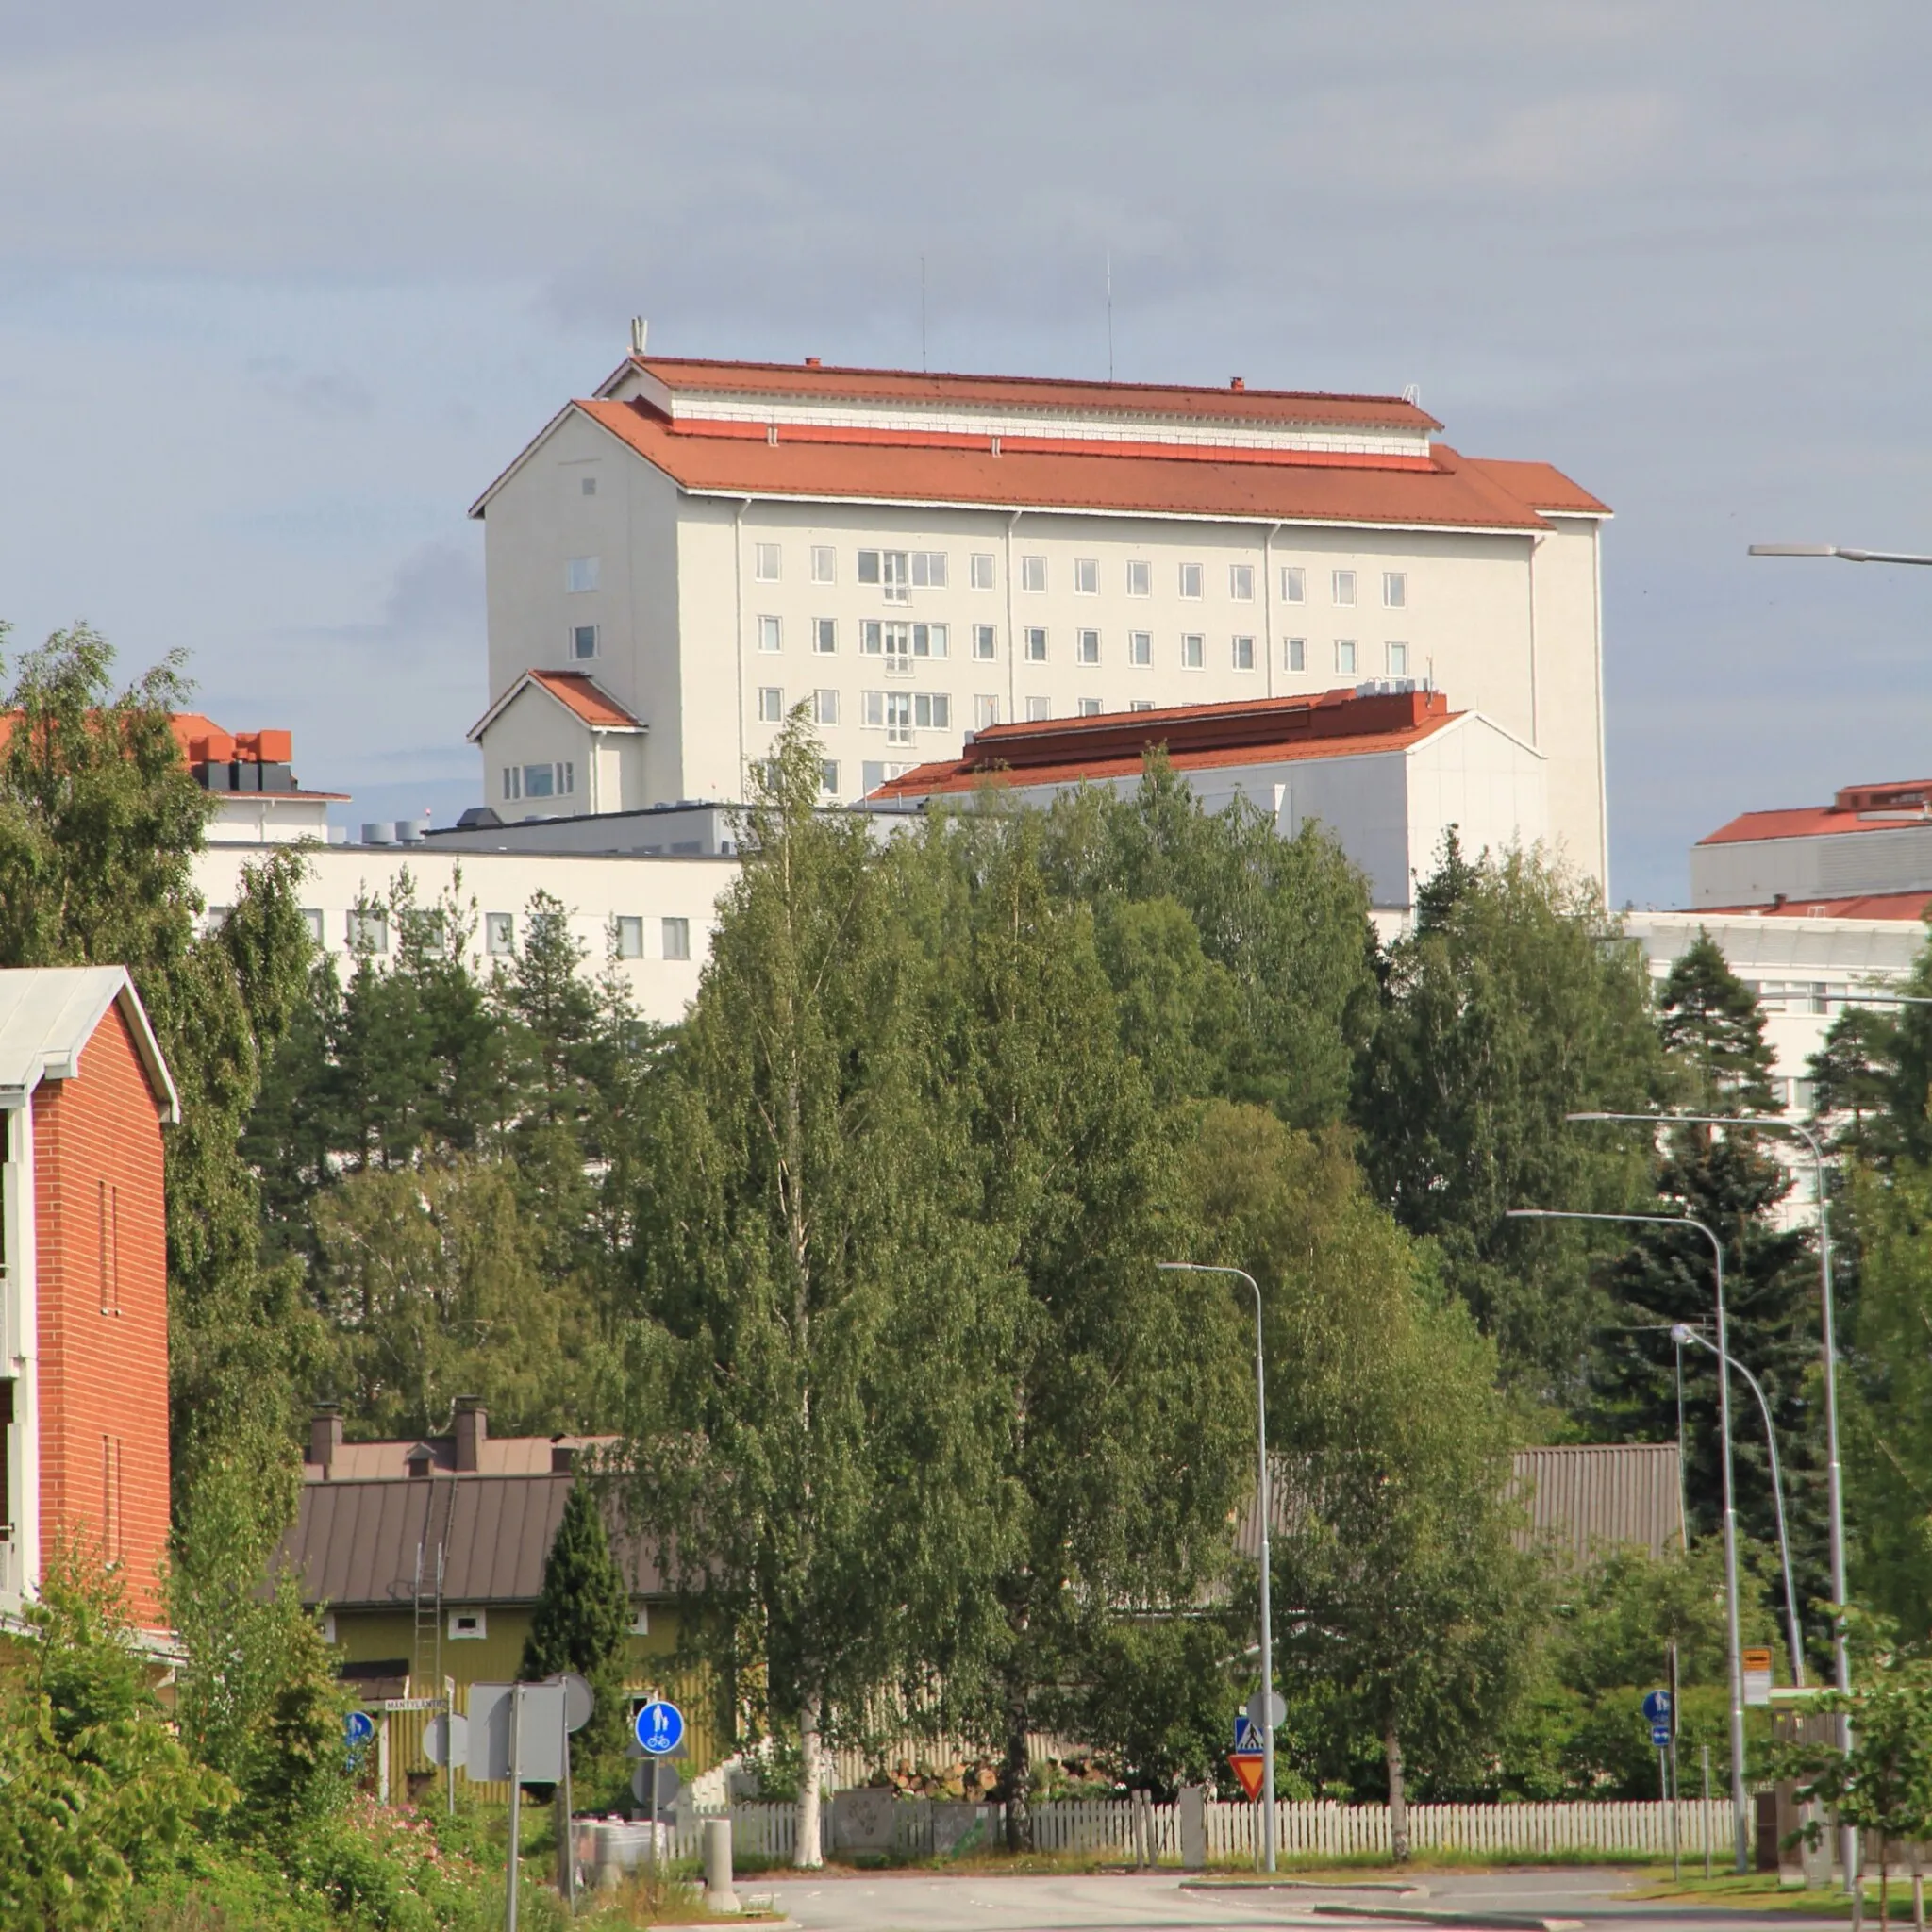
{"x": 814, "y": 1377}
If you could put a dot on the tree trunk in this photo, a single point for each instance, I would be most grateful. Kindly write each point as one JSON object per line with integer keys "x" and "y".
{"x": 1398, "y": 1796}
{"x": 806, "y": 1854}
{"x": 1016, "y": 1772}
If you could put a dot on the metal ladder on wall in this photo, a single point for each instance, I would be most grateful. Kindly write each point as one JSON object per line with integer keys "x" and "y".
{"x": 426, "y": 1647}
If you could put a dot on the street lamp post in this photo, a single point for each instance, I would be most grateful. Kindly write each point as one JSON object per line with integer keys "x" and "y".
{"x": 1834, "y": 1474}
{"x": 1682, "y": 1332}
{"x": 1740, "y": 1822}
{"x": 1262, "y": 1479}
{"x": 1838, "y": 550}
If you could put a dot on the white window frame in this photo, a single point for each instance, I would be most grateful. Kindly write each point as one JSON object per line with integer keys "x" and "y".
{"x": 1036, "y": 643}
{"x": 1140, "y": 578}
{"x": 675, "y": 938}
{"x": 581, "y": 574}
{"x": 828, "y": 776}
{"x": 771, "y": 634}
{"x": 768, "y": 563}
{"x": 1039, "y": 710}
{"x": 932, "y": 710}
{"x": 1086, "y": 577}
{"x": 367, "y": 929}
{"x": 1294, "y": 653}
{"x": 629, "y": 934}
{"x": 985, "y": 711}
{"x": 1087, "y": 646}
{"x": 1033, "y": 575}
{"x": 1191, "y": 576}
{"x": 982, "y": 573}
{"x": 1086, "y": 707}
{"x": 1395, "y": 589}
{"x": 824, "y": 563}
{"x": 1341, "y": 589}
{"x": 824, "y": 637}
{"x": 1139, "y": 703}
{"x": 824, "y": 706}
{"x": 477, "y": 1623}
{"x": 578, "y": 632}
{"x": 929, "y": 570}
{"x": 500, "y": 935}
{"x": 1294, "y": 584}
{"x": 986, "y": 643}
{"x": 1347, "y": 657}
{"x": 1193, "y": 651}
{"x": 1240, "y": 583}
{"x": 770, "y": 703}
{"x": 898, "y": 716}
{"x": 1140, "y": 649}
{"x": 1241, "y": 651}
{"x": 1398, "y": 658}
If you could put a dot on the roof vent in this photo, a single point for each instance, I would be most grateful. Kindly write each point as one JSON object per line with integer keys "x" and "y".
{"x": 639, "y": 330}
{"x": 1236, "y": 382}
{"x": 408, "y": 832}
{"x": 812, "y": 362}
{"x": 376, "y": 833}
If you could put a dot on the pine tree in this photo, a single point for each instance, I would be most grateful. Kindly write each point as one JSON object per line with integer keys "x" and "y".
{"x": 582, "y": 1620}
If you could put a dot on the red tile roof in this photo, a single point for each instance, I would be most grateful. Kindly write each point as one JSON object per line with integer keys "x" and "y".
{"x": 1292, "y": 486}
{"x": 1863, "y": 905}
{"x": 203, "y": 741}
{"x": 814, "y": 382}
{"x": 579, "y": 694}
{"x": 1066, "y": 751}
{"x": 585, "y": 696}
{"x": 1542, "y": 486}
{"x": 1857, "y": 809}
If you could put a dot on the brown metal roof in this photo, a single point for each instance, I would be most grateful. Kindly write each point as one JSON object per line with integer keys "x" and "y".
{"x": 357, "y": 1543}
{"x": 1586, "y": 1497}
{"x": 1581, "y": 1498}
{"x": 498, "y": 1455}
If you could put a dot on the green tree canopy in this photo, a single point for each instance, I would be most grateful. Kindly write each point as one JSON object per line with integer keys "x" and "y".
{"x": 1516, "y": 1001}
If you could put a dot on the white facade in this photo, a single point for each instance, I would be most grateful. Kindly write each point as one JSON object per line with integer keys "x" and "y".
{"x": 660, "y": 906}
{"x": 1389, "y": 809}
{"x": 1805, "y": 972}
{"x": 1829, "y": 863}
{"x": 716, "y": 559}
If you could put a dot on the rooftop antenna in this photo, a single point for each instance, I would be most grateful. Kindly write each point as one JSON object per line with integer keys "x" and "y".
{"x": 922, "y": 312}
{"x": 1109, "y": 315}
{"x": 639, "y": 329}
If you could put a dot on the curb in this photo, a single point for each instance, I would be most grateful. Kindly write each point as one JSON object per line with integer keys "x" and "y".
{"x": 1479, "y": 1922}
{"x": 1396, "y": 1886}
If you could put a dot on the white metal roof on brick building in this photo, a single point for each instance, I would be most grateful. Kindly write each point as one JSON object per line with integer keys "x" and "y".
{"x": 48, "y": 1014}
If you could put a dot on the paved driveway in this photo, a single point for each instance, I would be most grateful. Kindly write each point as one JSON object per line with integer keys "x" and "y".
{"x": 922, "y": 1902}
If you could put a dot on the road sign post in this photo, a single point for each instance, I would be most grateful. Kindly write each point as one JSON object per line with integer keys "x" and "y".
{"x": 658, "y": 1728}
{"x": 1676, "y": 1789}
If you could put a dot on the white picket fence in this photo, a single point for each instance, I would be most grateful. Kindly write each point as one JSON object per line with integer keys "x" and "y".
{"x": 768, "y": 1832}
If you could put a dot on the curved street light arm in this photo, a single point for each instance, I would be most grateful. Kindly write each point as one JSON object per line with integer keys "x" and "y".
{"x": 1740, "y": 1824}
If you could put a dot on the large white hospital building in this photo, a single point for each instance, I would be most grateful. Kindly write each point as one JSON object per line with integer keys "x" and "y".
{"x": 678, "y": 561}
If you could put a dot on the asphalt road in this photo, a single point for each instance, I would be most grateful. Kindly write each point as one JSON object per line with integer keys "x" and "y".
{"x": 921, "y": 1901}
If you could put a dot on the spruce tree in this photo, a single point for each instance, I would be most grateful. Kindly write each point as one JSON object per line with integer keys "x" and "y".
{"x": 582, "y": 1620}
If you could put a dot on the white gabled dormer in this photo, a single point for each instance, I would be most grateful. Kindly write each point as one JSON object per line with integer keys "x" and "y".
{"x": 557, "y": 744}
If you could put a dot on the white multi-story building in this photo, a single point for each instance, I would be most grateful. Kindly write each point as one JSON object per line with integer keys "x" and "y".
{"x": 1388, "y": 772}
{"x": 679, "y": 562}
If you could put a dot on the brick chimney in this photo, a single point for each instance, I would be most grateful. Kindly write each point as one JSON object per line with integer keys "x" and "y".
{"x": 324, "y": 1435}
{"x": 473, "y": 1431}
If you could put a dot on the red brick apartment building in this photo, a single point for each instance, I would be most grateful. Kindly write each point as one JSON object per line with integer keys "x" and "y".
{"x": 84, "y": 1094}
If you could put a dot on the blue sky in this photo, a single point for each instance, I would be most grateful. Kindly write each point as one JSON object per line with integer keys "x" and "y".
{"x": 281, "y": 291}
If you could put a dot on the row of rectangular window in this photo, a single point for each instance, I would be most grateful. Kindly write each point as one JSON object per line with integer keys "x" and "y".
{"x": 366, "y": 930}
{"x": 898, "y": 573}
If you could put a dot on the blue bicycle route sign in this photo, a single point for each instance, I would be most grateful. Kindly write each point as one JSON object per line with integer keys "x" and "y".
{"x": 659, "y": 1727}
